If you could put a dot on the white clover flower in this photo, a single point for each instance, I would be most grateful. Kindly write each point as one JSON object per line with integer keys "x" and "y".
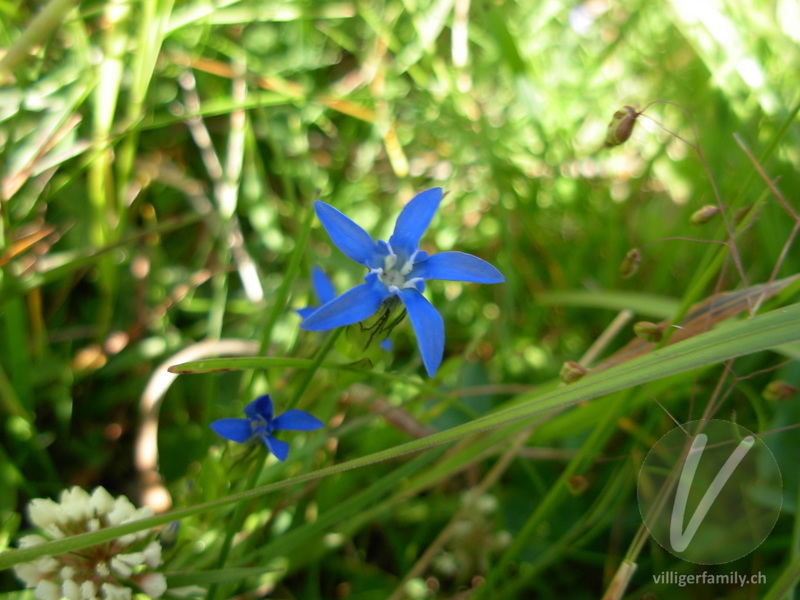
{"x": 47, "y": 590}
{"x": 132, "y": 559}
{"x": 47, "y": 564}
{"x": 122, "y": 510}
{"x": 42, "y": 512}
{"x": 88, "y": 590}
{"x": 29, "y": 541}
{"x": 93, "y": 525}
{"x": 109, "y": 571}
{"x": 27, "y": 572}
{"x": 136, "y": 515}
{"x": 54, "y": 531}
{"x": 115, "y": 592}
{"x": 102, "y": 502}
{"x": 152, "y": 555}
{"x": 153, "y": 584}
{"x": 71, "y": 590}
{"x": 102, "y": 571}
{"x": 75, "y": 504}
{"x": 120, "y": 568}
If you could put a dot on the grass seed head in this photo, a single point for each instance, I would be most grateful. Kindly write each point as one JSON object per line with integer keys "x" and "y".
{"x": 621, "y": 126}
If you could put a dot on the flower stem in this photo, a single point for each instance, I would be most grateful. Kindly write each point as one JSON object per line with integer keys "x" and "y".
{"x": 309, "y": 373}
{"x": 282, "y": 294}
{"x": 234, "y": 525}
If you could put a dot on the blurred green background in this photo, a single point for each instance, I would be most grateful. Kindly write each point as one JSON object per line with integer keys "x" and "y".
{"x": 158, "y": 163}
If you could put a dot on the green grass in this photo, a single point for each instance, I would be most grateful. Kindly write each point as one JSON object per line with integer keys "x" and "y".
{"x": 158, "y": 165}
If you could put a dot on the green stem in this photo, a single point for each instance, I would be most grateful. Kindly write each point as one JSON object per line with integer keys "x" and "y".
{"x": 309, "y": 373}
{"x": 234, "y": 525}
{"x": 279, "y": 302}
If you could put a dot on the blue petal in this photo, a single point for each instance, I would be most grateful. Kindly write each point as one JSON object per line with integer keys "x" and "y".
{"x": 457, "y": 266}
{"x": 323, "y": 290}
{"x": 306, "y": 312}
{"x": 428, "y": 327}
{"x": 413, "y": 221}
{"x": 236, "y": 430}
{"x": 349, "y": 237}
{"x": 383, "y": 249}
{"x": 279, "y": 448}
{"x": 323, "y": 287}
{"x": 297, "y": 420}
{"x": 261, "y": 407}
{"x": 351, "y": 307}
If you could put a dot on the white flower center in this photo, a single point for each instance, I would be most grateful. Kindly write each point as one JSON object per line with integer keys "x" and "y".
{"x": 395, "y": 278}
{"x": 260, "y": 426}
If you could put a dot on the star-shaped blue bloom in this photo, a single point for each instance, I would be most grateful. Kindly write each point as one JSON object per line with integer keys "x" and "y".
{"x": 397, "y": 267}
{"x": 259, "y": 422}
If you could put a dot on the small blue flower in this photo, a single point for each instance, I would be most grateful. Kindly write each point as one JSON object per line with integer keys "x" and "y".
{"x": 397, "y": 268}
{"x": 259, "y": 422}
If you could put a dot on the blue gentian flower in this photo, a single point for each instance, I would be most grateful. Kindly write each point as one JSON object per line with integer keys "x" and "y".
{"x": 397, "y": 268}
{"x": 259, "y": 422}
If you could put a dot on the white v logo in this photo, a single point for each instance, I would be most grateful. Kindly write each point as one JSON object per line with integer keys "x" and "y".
{"x": 680, "y": 540}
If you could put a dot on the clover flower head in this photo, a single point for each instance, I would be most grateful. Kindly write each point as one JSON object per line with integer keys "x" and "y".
{"x": 261, "y": 423}
{"x": 109, "y": 571}
{"x": 397, "y": 268}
